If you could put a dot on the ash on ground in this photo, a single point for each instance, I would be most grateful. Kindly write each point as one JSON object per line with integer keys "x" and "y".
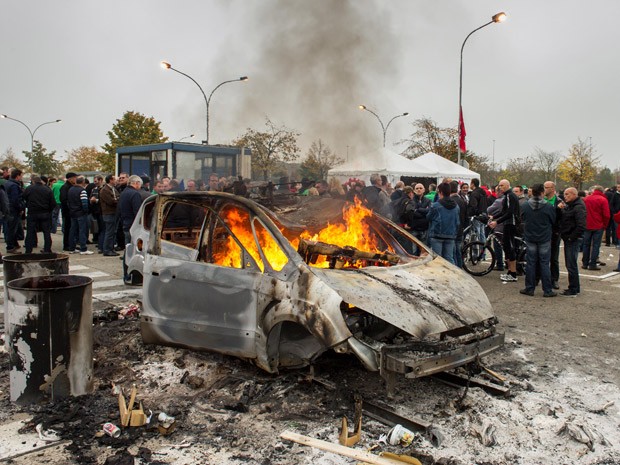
{"x": 229, "y": 412}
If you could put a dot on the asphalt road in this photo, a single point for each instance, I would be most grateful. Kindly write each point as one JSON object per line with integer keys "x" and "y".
{"x": 564, "y": 333}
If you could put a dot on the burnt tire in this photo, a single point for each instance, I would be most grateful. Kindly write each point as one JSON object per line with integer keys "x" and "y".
{"x": 478, "y": 258}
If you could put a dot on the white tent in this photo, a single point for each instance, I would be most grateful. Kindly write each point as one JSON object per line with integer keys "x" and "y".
{"x": 441, "y": 167}
{"x": 381, "y": 161}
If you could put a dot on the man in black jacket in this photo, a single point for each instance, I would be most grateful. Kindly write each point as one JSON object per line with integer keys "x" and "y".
{"x": 415, "y": 213}
{"x": 14, "y": 192}
{"x": 40, "y": 203}
{"x": 572, "y": 227}
{"x": 476, "y": 206}
{"x": 64, "y": 211}
{"x": 128, "y": 205}
{"x": 510, "y": 217}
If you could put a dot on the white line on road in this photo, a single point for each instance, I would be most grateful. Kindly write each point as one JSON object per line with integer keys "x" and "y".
{"x": 72, "y": 268}
{"x": 109, "y": 283}
{"x": 118, "y": 294}
{"x": 591, "y": 276}
{"x": 94, "y": 274}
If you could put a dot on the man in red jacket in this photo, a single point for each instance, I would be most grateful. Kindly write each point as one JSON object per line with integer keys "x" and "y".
{"x": 597, "y": 217}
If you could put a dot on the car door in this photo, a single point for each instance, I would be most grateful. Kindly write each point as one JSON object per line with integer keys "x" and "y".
{"x": 203, "y": 291}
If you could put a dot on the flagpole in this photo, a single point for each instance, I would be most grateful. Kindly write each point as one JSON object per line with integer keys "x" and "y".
{"x": 498, "y": 18}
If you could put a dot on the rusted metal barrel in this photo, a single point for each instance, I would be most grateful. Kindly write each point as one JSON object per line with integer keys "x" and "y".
{"x": 34, "y": 264}
{"x": 50, "y": 337}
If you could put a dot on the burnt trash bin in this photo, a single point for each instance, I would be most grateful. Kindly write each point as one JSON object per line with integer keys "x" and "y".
{"x": 34, "y": 264}
{"x": 31, "y": 264}
{"x": 50, "y": 337}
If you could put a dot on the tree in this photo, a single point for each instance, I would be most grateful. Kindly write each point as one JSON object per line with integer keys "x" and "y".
{"x": 319, "y": 160}
{"x": 605, "y": 178}
{"x": 520, "y": 171}
{"x": 580, "y": 166}
{"x": 428, "y": 137}
{"x": 546, "y": 163}
{"x": 132, "y": 129}
{"x": 84, "y": 159}
{"x": 276, "y": 144}
{"x": 42, "y": 162}
{"x": 10, "y": 160}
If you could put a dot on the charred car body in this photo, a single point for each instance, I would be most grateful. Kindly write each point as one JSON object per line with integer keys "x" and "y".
{"x": 226, "y": 274}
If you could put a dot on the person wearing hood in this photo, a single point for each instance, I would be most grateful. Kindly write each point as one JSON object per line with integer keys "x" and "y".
{"x": 443, "y": 218}
{"x": 538, "y": 219}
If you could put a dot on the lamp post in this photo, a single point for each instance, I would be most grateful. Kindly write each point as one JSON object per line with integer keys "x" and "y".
{"x": 32, "y": 133}
{"x": 166, "y": 65}
{"x": 498, "y": 18}
{"x": 186, "y": 137}
{"x": 384, "y": 128}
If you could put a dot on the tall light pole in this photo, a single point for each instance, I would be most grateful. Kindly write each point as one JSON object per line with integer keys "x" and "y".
{"x": 32, "y": 133}
{"x": 166, "y": 65}
{"x": 498, "y": 18}
{"x": 186, "y": 137}
{"x": 383, "y": 128}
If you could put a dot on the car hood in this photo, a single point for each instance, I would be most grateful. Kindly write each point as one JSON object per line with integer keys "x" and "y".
{"x": 420, "y": 298}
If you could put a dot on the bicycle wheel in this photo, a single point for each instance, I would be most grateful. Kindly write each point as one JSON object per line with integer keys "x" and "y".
{"x": 478, "y": 258}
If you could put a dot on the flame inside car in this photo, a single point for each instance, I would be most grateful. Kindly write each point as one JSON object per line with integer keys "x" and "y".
{"x": 348, "y": 244}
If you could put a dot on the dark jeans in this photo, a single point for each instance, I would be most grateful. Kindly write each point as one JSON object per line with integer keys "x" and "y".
{"x": 38, "y": 222}
{"x": 110, "y": 232}
{"x": 591, "y": 246}
{"x": 55, "y": 214}
{"x": 13, "y": 222}
{"x": 610, "y": 232}
{"x": 458, "y": 252}
{"x": 100, "y": 231}
{"x": 443, "y": 247}
{"x": 538, "y": 255}
{"x": 421, "y": 236}
{"x": 79, "y": 230}
{"x": 571, "y": 252}
{"x": 66, "y": 229}
{"x": 554, "y": 264}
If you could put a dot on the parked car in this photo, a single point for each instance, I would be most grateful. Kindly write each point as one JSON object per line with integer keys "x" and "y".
{"x": 279, "y": 288}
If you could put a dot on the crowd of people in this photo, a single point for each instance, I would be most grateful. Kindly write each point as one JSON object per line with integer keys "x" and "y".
{"x": 98, "y": 213}
{"x": 101, "y": 213}
{"x": 543, "y": 217}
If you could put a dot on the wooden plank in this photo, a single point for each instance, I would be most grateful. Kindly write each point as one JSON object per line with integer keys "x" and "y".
{"x": 338, "y": 449}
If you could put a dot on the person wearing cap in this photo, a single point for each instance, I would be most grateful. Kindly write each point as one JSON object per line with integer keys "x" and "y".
{"x": 64, "y": 210}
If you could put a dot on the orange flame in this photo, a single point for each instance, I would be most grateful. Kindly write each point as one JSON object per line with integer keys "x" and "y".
{"x": 353, "y": 231}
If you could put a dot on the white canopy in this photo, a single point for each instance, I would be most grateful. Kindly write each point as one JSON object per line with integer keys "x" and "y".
{"x": 441, "y": 167}
{"x": 381, "y": 161}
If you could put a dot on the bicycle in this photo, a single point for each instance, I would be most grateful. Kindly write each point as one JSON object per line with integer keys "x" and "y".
{"x": 479, "y": 257}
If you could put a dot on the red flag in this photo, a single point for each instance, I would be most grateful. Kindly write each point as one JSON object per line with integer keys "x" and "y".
{"x": 462, "y": 131}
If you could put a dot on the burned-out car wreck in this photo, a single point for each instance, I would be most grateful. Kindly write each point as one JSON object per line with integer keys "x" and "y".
{"x": 281, "y": 286}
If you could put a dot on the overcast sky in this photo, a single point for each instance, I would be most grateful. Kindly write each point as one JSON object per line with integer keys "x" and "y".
{"x": 543, "y": 78}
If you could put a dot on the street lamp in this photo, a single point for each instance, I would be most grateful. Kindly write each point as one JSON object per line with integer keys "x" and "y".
{"x": 32, "y": 133}
{"x": 384, "y": 128}
{"x": 498, "y": 18}
{"x": 186, "y": 137}
{"x": 166, "y": 65}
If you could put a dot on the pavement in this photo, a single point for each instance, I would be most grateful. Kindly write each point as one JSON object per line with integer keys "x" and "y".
{"x": 106, "y": 273}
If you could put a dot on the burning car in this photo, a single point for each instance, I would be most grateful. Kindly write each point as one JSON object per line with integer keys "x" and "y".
{"x": 279, "y": 288}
